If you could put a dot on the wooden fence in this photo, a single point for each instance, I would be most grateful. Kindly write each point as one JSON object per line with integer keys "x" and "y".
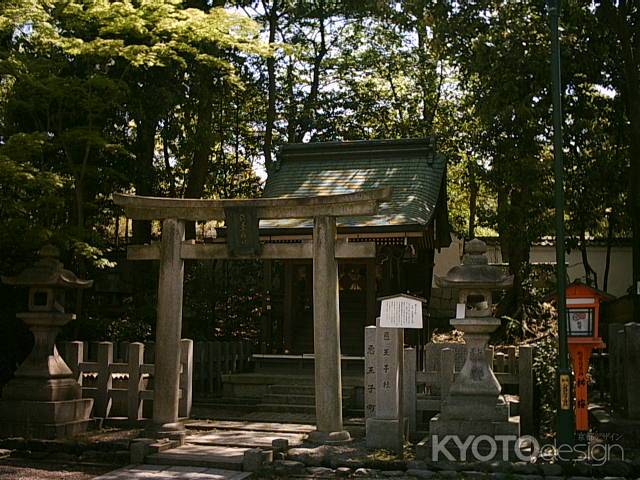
{"x": 123, "y": 388}
{"x": 624, "y": 364}
{"x": 214, "y": 359}
{"x": 425, "y": 388}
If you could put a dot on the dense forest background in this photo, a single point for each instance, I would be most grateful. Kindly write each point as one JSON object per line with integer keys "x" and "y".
{"x": 192, "y": 98}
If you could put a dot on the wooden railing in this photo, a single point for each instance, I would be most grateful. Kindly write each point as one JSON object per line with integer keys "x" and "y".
{"x": 512, "y": 366}
{"x": 121, "y": 388}
{"x": 214, "y": 359}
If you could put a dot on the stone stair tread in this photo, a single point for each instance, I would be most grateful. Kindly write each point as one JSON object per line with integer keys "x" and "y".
{"x": 289, "y": 399}
{"x": 164, "y": 472}
{"x": 209, "y": 456}
{"x": 245, "y": 438}
{"x": 251, "y": 426}
{"x": 293, "y": 408}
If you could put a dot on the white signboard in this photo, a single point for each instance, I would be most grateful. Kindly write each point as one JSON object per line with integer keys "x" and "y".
{"x": 401, "y": 312}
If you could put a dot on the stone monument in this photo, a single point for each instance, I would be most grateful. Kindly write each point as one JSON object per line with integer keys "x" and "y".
{"x": 386, "y": 423}
{"x": 44, "y": 400}
{"x": 474, "y": 408}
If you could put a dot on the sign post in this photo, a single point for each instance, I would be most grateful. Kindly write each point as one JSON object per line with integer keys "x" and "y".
{"x": 387, "y": 428}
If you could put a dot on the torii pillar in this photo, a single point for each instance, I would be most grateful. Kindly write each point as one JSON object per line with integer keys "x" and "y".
{"x": 326, "y": 334}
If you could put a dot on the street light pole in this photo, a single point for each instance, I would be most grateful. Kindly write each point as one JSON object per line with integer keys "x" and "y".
{"x": 564, "y": 419}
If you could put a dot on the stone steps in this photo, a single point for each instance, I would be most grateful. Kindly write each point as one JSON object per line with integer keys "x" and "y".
{"x": 292, "y": 408}
{"x": 163, "y": 472}
{"x": 245, "y": 438}
{"x": 207, "y": 456}
{"x": 252, "y": 426}
{"x": 238, "y": 404}
{"x": 297, "y": 398}
{"x": 303, "y": 389}
{"x": 287, "y": 399}
{"x": 295, "y": 389}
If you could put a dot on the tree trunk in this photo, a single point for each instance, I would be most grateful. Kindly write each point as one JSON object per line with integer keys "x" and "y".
{"x": 515, "y": 247}
{"x": 292, "y": 109}
{"x": 630, "y": 46}
{"x": 271, "y": 99}
{"x": 607, "y": 262}
{"x": 473, "y": 200}
{"x": 305, "y": 124}
{"x": 145, "y": 149}
{"x": 590, "y": 274}
{"x": 204, "y": 141}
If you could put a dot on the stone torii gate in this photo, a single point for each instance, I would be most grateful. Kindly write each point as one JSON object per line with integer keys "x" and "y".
{"x": 325, "y": 250}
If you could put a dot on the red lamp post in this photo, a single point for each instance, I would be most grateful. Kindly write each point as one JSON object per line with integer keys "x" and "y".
{"x": 583, "y": 323}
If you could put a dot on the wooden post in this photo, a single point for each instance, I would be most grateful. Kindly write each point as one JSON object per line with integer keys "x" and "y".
{"x": 326, "y": 333}
{"x": 371, "y": 292}
{"x": 226, "y": 363}
{"x": 447, "y": 371}
{"x": 266, "y": 343}
{"x": 632, "y": 365}
{"x": 104, "y": 380}
{"x": 287, "y": 321}
{"x": 525, "y": 389}
{"x": 169, "y": 328}
{"x": 74, "y": 356}
{"x": 215, "y": 365}
{"x": 135, "y": 361}
{"x": 186, "y": 378}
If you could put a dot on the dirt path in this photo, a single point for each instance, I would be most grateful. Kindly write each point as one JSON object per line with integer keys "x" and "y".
{"x": 23, "y": 469}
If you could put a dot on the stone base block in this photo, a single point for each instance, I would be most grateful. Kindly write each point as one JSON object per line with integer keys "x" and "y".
{"x": 470, "y": 440}
{"x": 42, "y": 389}
{"x": 329, "y": 437}
{"x": 461, "y": 407}
{"x": 386, "y": 434}
{"x": 47, "y": 420}
{"x": 173, "y": 431}
{"x": 464, "y": 428}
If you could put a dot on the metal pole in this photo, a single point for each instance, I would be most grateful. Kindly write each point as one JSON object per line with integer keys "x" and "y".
{"x": 564, "y": 419}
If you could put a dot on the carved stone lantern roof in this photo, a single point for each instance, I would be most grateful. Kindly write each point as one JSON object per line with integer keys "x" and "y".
{"x": 47, "y": 272}
{"x": 475, "y": 271}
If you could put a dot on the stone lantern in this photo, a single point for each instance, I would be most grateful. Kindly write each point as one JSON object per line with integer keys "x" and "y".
{"x": 44, "y": 400}
{"x": 474, "y": 406}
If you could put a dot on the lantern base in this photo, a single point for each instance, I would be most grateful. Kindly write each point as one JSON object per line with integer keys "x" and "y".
{"x": 47, "y": 420}
{"x": 485, "y": 440}
{"x": 42, "y": 389}
{"x": 463, "y": 407}
{"x": 477, "y": 420}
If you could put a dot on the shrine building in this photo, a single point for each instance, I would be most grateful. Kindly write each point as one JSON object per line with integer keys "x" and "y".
{"x": 406, "y": 230}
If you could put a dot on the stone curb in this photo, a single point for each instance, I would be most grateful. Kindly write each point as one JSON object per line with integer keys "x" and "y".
{"x": 325, "y": 466}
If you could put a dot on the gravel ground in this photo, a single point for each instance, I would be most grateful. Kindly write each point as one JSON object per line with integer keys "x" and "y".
{"x": 22, "y": 469}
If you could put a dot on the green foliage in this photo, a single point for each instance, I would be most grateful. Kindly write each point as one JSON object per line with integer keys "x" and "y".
{"x": 224, "y": 300}
{"x": 174, "y": 98}
{"x": 545, "y": 378}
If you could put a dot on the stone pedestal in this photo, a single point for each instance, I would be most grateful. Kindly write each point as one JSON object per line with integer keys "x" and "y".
{"x": 44, "y": 400}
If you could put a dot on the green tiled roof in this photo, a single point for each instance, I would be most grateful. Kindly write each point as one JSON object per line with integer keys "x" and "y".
{"x": 411, "y": 167}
